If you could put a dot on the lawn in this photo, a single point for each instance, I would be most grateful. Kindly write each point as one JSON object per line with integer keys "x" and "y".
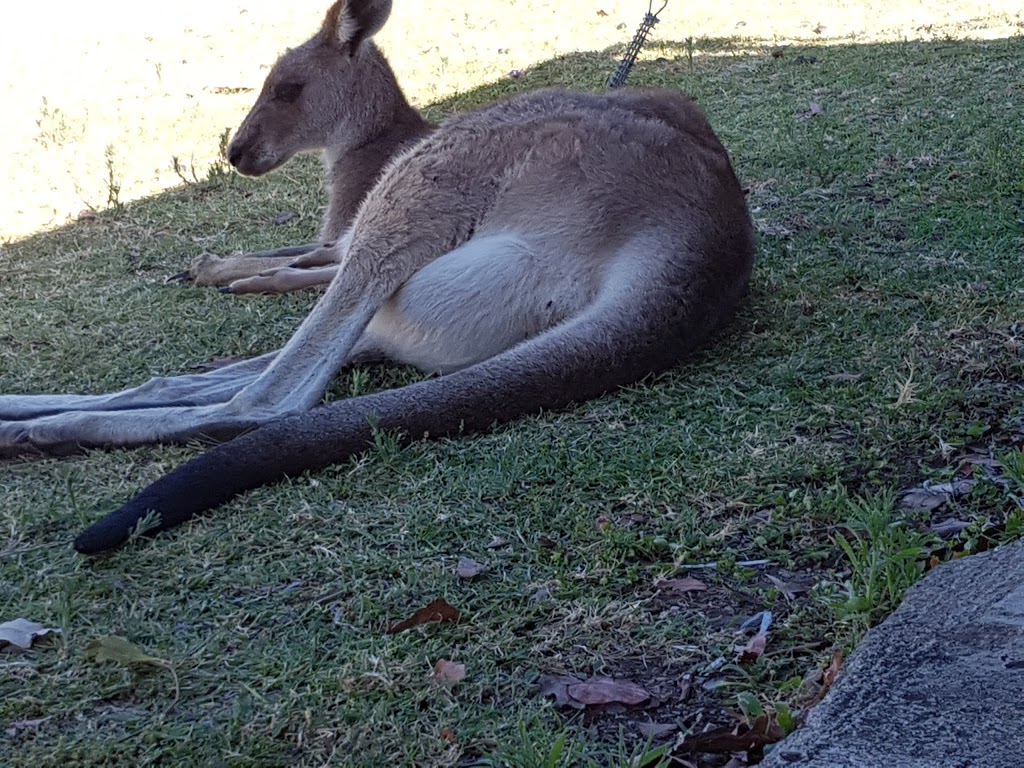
{"x": 881, "y": 350}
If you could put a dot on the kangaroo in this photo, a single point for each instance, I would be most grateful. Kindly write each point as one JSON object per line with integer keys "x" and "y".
{"x": 300, "y": 109}
{"x": 542, "y": 251}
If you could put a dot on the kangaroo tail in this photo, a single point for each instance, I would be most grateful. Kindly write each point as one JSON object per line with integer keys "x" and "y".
{"x": 628, "y": 332}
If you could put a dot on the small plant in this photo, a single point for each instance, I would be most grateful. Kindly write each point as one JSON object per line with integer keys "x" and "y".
{"x": 187, "y": 175}
{"x": 528, "y": 753}
{"x": 113, "y": 182}
{"x": 1012, "y": 463}
{"x": 1013, "y": 469}
{"x": 219, "y": 169}
{"x": 54, "y": 128}
{"x": 885, "y": 556}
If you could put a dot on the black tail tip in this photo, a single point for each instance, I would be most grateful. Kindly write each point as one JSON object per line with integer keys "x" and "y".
{"x": 87, "y": 543}
{"x": 102, "y": 536}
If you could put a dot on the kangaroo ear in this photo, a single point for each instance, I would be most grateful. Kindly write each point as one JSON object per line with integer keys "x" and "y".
{"x": 349, "y": 22}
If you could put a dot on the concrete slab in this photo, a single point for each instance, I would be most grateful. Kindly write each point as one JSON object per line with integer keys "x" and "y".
{"x": 939, "y": 684}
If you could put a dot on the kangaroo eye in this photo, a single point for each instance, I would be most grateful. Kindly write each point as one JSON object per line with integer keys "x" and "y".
{"x": 287, "y": 93}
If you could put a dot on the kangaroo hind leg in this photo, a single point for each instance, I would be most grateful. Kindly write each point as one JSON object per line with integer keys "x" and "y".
{"x": 476, "y": 301}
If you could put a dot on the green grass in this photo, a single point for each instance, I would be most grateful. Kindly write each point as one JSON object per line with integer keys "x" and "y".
{"x": 891, "y": 250}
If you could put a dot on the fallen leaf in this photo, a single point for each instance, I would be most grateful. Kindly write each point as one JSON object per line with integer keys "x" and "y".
{"x": 754, "y": 648}
{"x": 653, "y": 731}
{"x": 439, "y": 610}
{"x": 607, "y": 690}
{"x": 449, "y": 735}
{"x": 119, "y": 650}
{"x": 468, "y": 568}
{"x": 739, "y": 738}
{"x": 681, "y": 586}
{"x": 685, "y": 686}
{"x": 979, "y": 459}
{"x": 762, "y": 620}
{"x": 25, "y": 725}
{"x": 949, "y": 527}
{"x": 922, "y": 500}
{"x": 841, "y": 377}
{"x": 603, "y": 522}
{"x": 790, "y": 589}
{"x": 815, "y": 108}
{"x": 497, "y": 542}
{"x": 284, "y": 218}
{"x": 929, "y": 496}
{"x": 447, "y": 673}
{"x": 558, "y": 686}
{"x": 17, "y": 635}
{"x": 831, "y": 672}
{"x": 958, "y": 486}
{"x": 570, "y": 691}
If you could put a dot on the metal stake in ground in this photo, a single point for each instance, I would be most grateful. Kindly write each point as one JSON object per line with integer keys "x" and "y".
{"x": 633, "y": 49}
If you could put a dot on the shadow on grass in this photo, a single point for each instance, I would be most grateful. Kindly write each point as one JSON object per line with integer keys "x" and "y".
{"x": 881, "y": 345}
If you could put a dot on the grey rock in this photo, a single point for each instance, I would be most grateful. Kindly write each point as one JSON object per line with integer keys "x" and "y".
{"x": 939, "y": 684}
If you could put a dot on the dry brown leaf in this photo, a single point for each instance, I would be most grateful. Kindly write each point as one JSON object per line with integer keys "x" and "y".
{"x": 607, "y": 690}
{"x": 117, "y": 649}
{"x": 828, "y": 677}
{"x": 790, "y": 589}
{"x": 948, "y": 528}
{"x": 740, "y": 738}
{"x": 570, "y": 691}
{"x": 814, "y": 108}
{"x": 754, "y": 648}
{"x": 496, "y": 543}
{"x": 653, "y": 731}
{"x": 558, "y": 686}
{"x": 439, "y": 610}
{"x": 447, "y": 673}
{"x": 685, "y": 686}
{"x": 17, "y": 636}
{"x": 841, "y": 377}
{"x": 681, "y": 586}
{"x": 449, "y": 735}
{"x": 468, "y": 568}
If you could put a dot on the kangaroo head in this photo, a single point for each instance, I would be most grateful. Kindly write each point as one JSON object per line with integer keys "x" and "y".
{"x": 331, "y": 91}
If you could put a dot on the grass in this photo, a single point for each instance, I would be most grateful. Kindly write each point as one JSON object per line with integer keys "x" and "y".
{"x": 881, "y": 347}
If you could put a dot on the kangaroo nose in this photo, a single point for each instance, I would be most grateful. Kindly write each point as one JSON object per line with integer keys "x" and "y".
{"x": 234, "y": 155}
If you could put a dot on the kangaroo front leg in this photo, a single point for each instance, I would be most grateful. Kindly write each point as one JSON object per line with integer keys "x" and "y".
{"x": 205, "y": 267}
{"x": 215, "y": 270}
{"x": 283, "y": 280}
